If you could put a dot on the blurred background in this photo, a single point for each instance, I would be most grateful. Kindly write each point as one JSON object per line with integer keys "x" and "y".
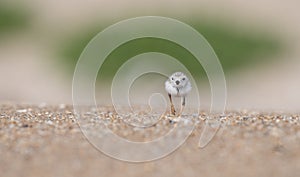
{"x": 256, "y": 41}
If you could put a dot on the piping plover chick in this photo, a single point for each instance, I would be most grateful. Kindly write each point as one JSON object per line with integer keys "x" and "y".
{"x": 178, "y": 85}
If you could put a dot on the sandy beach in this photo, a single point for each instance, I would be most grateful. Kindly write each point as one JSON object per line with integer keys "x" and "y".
{"x": 46, "y": 140}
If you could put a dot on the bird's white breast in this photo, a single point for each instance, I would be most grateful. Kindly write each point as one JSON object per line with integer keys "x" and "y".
{"x": 182, "y": 91}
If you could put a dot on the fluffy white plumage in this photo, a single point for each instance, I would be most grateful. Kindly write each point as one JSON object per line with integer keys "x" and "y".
{"x": 178, "y": 85}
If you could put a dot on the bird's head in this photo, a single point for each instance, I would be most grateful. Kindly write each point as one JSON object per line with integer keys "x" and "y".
{"x": 178, "y": 79}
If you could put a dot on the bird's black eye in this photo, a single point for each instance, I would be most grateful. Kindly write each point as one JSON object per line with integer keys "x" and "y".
{"x": 183, "y": 78}
{"x": 172, "y": 78}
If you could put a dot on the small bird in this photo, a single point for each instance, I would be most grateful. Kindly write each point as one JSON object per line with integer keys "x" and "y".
{"x": 178, "y": 85}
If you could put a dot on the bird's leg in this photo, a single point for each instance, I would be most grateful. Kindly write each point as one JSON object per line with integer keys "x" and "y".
{"x": 172, "y": 106}
{"x": 182, "y": 105}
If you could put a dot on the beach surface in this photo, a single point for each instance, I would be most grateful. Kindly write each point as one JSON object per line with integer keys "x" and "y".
{"x": 46, "y": 141}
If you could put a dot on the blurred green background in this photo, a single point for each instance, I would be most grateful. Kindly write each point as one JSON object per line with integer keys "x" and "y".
{"x": 13, "y": 19}
{"x": 235, "y": 48}
{"x": 40, "y": 43}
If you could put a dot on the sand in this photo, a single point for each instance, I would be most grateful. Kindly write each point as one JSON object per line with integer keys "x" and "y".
{"x": 46, "y": 141}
